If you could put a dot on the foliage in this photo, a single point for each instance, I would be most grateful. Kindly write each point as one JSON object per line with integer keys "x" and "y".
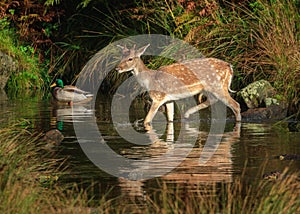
{"x": 260, "y": 38}
{"x": 31, "y": 26}
{"x": 262, "y": 41}
{"x": 34, "y": 21}
{"x": 29, "y": 74}
{"x": 82, "y": 3}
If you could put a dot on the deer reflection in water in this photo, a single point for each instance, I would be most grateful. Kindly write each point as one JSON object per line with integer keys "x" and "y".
{"x": 190, "y": 173}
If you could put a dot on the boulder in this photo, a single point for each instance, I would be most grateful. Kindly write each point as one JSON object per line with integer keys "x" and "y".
{"x": 272, "y": 176}
{"x": 262, "y": 101}
{"x": 53, "y": 138}
{"x": 258, "y": 93}
{"x": 7, "y": 67}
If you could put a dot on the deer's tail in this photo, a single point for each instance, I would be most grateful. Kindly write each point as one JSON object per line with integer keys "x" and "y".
{"x": 231, "y": 76}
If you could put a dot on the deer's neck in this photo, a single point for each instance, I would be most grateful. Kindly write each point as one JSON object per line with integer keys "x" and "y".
{"x": 143, "y": 75}
{"x": 140, "y": 67}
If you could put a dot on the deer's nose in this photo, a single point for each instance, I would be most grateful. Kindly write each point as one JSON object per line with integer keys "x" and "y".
{"x": 120, "y": 70}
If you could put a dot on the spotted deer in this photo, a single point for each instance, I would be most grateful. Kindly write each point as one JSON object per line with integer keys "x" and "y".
{"x": 181, "y": 80}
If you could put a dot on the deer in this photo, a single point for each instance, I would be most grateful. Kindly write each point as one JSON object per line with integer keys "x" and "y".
{"x": 181, "y": 80}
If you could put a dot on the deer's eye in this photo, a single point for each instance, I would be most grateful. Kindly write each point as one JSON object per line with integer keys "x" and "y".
{"x": 130, "y": 59}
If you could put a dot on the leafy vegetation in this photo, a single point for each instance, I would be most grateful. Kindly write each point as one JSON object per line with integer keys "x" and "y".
{"x": 260, "y": 38}
{"x": 28, "y": 74}
{"x": 262, "y": 41}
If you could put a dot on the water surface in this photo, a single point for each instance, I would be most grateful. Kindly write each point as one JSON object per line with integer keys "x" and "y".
{"x": 249, "y": 150}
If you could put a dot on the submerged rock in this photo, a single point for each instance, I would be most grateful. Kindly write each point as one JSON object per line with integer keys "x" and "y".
{"x": 53, "y": 138}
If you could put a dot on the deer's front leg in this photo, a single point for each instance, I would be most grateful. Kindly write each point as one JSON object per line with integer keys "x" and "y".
{"x": 153, "y": 109}
{"x": 157, "y": 100}
{"x": 170, "y": 111}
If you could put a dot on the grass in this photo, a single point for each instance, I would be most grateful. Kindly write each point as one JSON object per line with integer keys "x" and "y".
{"x": 30, "y": 183}
{"x": 29, "y": 74}
{"x": 261, "y": 40}
{"x": 236, "y": 197}
{"x": 28, "y": 175}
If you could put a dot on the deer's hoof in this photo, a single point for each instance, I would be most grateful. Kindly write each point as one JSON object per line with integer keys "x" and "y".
{"x": 147, "y": 126}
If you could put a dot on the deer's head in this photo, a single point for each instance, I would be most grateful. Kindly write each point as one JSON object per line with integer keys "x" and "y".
{"x": 131, "y": 58}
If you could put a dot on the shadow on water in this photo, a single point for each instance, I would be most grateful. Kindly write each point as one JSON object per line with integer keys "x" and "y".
{"x": 241, "y": 152}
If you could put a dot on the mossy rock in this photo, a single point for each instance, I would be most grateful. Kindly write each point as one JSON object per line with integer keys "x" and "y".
{"x": 7, "y": 67}
{"x": 258, "y": 93}
{"x": 262, "y": 101}
{"x": 272, "y": 176}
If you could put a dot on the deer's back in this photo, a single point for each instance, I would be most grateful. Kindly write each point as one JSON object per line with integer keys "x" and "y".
{"x": 208, "y": 72}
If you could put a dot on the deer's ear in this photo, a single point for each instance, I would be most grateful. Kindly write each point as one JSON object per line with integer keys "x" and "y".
{"x": 142, "y": 50}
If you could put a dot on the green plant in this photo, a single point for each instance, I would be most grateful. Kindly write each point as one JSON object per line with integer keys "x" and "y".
{"x": 28, "y": 73}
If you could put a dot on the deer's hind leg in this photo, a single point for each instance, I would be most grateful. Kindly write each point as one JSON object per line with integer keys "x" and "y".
{"x": 203, "y": 105}
{"x": 235, "y": 107}
{"x": 232, "y": 104}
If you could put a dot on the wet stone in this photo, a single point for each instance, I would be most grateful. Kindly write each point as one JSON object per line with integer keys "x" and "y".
{"x": 53, "y": 137}
{"x": 273, "y": 112}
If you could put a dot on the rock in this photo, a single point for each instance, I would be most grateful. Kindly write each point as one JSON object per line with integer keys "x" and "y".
{"x": 258, "y": 93}
{"x": 262, "y": 101}
{"x": 53, "y": 138}
{"x": 7, "y": 67}
{"x": 273, "y": 112}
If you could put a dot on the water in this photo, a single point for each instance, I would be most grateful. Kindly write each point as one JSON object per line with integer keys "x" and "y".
{"x": 249, "y": 150}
